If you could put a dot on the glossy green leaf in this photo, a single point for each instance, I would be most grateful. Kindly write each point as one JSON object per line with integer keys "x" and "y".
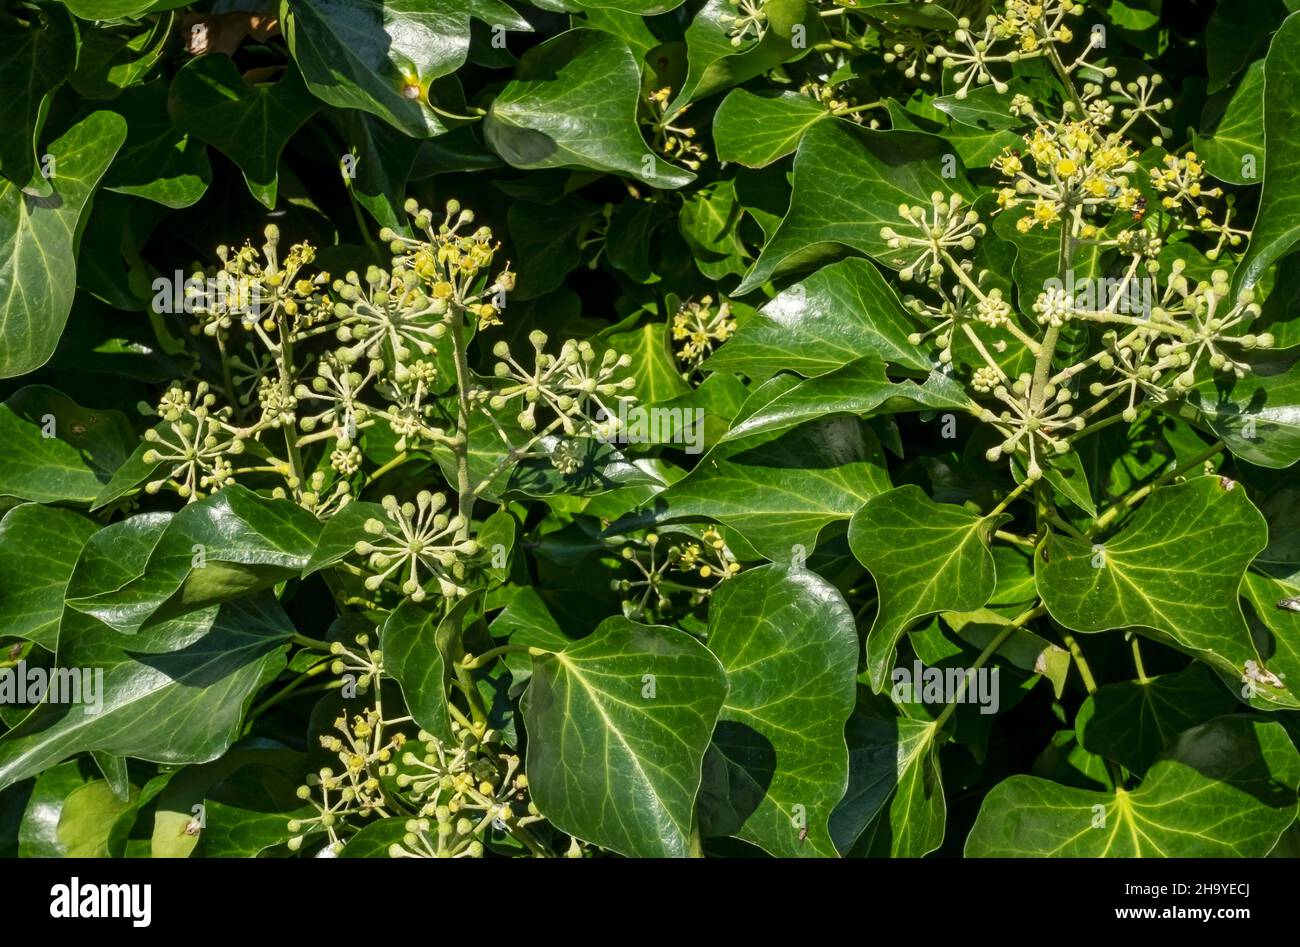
{"x": 250, "y": 124}
{"x": 836, "y": 315}
{"x": 39, "y": 546}
{"x": 618, "y": 724}
{"x": 36, "y": 54}
{"x": 1277, "y": 226}
{"x": 158, "y": 161}
{"x": 848, "y": 184}
{"x": 778, "y": 762}
{"x": 1131, "y": 721}
{"x": 382, "y": 57}
{"x": 38, "y": 242}
{"x": 779, "y": 491}
{"x": 573, "y": 104}
{"x": 755, "y": 130}
{"x": 926, "y": 557}
{"x": 173, "y": 693}
{"x": 1258, "y": 416}
{"x": 1231, "y": 141}
{"x": 1175, "y": 567}
{"x": 1225, "y": 789}
{"x": 58, "y": 450}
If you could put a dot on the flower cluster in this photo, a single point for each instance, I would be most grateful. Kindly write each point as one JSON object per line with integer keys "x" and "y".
{"x": 698, "y": 328}
{"x": 705, "y": 558}
{"x": 419, "y": 544}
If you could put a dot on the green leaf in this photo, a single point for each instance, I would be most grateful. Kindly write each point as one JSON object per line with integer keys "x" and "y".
{"x": 416, "y": 645}
{"x": 778, "y": 763}
{"x": 755, "y": 130}
{"x": 35, "y": 59}
{"x": 1277, "y": 225}
{"x": 860, "y": 388}
{"x": 370, "y": 55}
{"x": 1258, "y": 416}
{"x": 38, "y": 833}
{"x": 618, "y": 724}
{"x": 1232, "y": 131}
{"x": 87, "y": 818}
{"x": 848, "y": 184}
{"x": 1175, "y": 567}
{"x": 573, "y": 104}
{"x": 38, "y": 243}
{"x": 175, "y": 692}
{"x": 779, "y": 491}
{"x": 836, "y": 315}
{"x": 1132, "y": 721}
{"x": 926, "y": 557}
{"x": 250, "y": 124}
{"x": 1225, "y": 789}
{"x": 39, "y": 546}
{"x": 894, "y": 806}
{"x": 715, "y": 63}
{"x": 158, "y": 162}
{"x": 59, "y": 451}
{"x": 1276, "y": 627}
{"x": 653, "y": 367}
{"x": 248, "y": 812}
{"x": 218, "y": 549}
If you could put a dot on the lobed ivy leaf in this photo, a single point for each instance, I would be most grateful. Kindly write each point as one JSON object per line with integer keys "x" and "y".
{"x": 175, "y": 692}
{"x": 1176, "y": 567}
{"x": 249, "y": 123}
{"x": 848, "y": 184}
{"x": 778, "y": 764}
{"x": 38, "y": 242}
{"x": 1224, "y": 789}
{"x": 573, "y": 104}
{"x": 618, "y": 724}
{"x": 39, "y": 546}
{"x": 778, "y": 491}
{"x": 925, "y": 557}
{"x": 1132, "y": 721}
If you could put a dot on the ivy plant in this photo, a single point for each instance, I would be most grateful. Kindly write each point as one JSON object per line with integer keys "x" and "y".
{"x": 592, "y": 428}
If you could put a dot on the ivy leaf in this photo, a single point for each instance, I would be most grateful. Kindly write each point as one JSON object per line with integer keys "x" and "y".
{"x": 1277, "y": 225}
{"x": 38, "y": 243}
{"x": 246, "y": 812}
{"x": 158, "y": 162}
{"x": 1132, "y": 721}
{"x": 715, "y": 63}
{"x": 58, "y": 450}
{"x": 39, "y": 546}
{"x": 618, "y": 724}
{"x": 860, "y": 388}
{"x": 779, "y": 491}
{"x": 34, "y": 61}
{"x": 653, "y": 367}
{"x": 1225, "y": 789}
{"x": 416, "y": 654}
{"x": 1232, "y": 130}
{"x": 224, "y": 546}
{"x": 778, "y": 762}
{"x": 372, "y": 55}
{"x": 1276, "y": 627}
{"x": 250, "y": 124}
{"x": 848, "y": 184}
{"x": 573, "y": 104}
{"x": 836, "y": 315}
{"x": 1258, "y": 416}
{"x": 175, "y": 692}
{"x": 895, "y": 804}
{"x": 757, "y": 129}
{"x": 1176, "y": 567}
{"x": 38, "y": 833}
{"x": 925, "y": 557}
